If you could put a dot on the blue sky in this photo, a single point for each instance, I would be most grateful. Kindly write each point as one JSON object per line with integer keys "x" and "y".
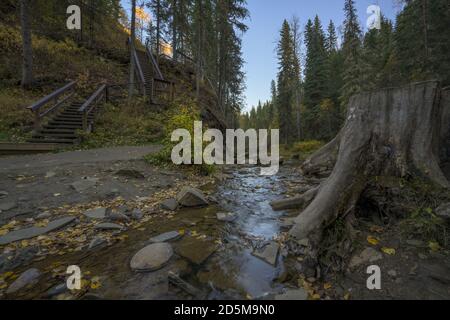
{"x": 266, "y": 17}
{"x": 260, "y": 41}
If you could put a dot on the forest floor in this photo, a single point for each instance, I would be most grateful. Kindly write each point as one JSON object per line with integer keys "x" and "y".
{"x": 222, "y": 260}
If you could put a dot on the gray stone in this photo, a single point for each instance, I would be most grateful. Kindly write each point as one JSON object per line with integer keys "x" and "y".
{"x": 226, "y": 216}
{"x": 152, "y": 257}
{"x": 169, "y": 204}
{"x": 12, "y": 260}
{"x": 117, "y": 216}
{"x": 165, "y": 237}
{"x": 444, "y": 211}
{"x": 96, "y": 242}
{"x": 137, "y": 214}
{"x": 3, "y": 194}
{"x": 57, "y": 290}
{"x": 191, "y": 197}
{"x": 109, "y": 226}
{"x": 268, "y": 253}
{"x": 26, "y": 279}
{"x": 43, "y": 215}
{"x": 32, "y": 232}
{"x": 293, "y": 295}
{"x": 5, "y": 206}
{"x": 415, "y": 243}
{"x": 368, "y": 255}
{"x": 84, "y": 184}
{"x": 96, "y": 214}
{"x": 50, "y": 174}
{"x": 195, "y": 250}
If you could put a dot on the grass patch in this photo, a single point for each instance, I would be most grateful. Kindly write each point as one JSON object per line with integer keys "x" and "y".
{"x": 127, "y": 124}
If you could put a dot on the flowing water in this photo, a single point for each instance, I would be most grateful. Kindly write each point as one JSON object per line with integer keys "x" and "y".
{"x": 231, "y": 271}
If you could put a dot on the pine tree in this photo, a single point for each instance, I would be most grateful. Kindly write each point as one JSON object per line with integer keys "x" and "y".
{"x": 352, "y": 53}
{"x": 286, "y": 81}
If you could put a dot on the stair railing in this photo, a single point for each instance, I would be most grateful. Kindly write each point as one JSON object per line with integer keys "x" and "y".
{"x": 91, "y": 104}
{"x": 56, "y": 97}
{"x": 150, "y": 55}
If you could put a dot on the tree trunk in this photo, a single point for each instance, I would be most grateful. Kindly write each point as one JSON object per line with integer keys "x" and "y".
{"x": 391, "y": 132}
{"x": 27, "y": 63}
{"x": 132, "y": 48}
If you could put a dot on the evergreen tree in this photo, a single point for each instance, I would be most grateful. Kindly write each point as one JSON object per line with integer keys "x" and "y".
{"x": 286, "y": 81}
{"x": 352, "y": 53}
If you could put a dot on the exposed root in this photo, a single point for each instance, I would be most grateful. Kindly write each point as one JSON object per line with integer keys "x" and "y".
{"x": 295, "y": 203}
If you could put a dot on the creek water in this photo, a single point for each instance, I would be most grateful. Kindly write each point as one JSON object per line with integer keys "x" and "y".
{"x": 230, "y": 271}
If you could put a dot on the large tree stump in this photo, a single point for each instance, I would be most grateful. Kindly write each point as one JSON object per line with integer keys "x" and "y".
{"x": 391, "y": 132}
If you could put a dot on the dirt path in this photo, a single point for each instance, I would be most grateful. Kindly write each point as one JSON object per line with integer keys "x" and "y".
{"x": 75, "y": 157}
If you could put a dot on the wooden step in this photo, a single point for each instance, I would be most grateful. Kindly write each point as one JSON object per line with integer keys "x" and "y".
{"x": 57, "y": 127}
{"x": 58, "y": 141}
{"x": 55, "y": 135}
{"x": 56, "y": 131}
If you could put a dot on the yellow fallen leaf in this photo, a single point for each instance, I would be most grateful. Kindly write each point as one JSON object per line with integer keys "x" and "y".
{"x": 182, "y": 232}
{"x": 347, "y": 296}
{"x": 372, "y": 240}
{"x": 389, "y": 251}
{"x": 24, "y": 243}
{"x": 141, "y": 229}
{"x": 434, "y": 246}
{"x": 3, "y": 232}
{"x": 327, "y": 286}
{"x": 95, "y": 283}
{"x": 315, "y": 296}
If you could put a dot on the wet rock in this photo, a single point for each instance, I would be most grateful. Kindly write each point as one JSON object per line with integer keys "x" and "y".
{"x": 191, "y": 197}
{"x": 226, "y": 216}
{"x": 181, "y": 267}
{"x": 6, "y": 206}
{"x": 137, "y": 214}
{"x": 109, "y": 226}
{"x": 368, "y": 255}
{"x": 3, "y": 194}
{"x": 12, "y": 260}
{"x": 268, "y": 253}
{"x": 57, "y": 290}
{"x": 25, "y": 280}
{"x": 152, "y": 257}
{"x": 293, "y": 295}
{"x": 166, "y": 237}
{"x": 444, "y": 211}
{"x": 169, "y": 204}
{"x": 97, "y": 214}
{"x": 96, "y": 242}
{"x": 196, "y": 251}
{"x": 32, "y": 232}
{"x": 131, "y": 174}
{"x": 84, "y": 184}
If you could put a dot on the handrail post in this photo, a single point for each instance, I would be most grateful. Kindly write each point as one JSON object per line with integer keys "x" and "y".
{"x": 37, "y": 120}
{"x": 85, "y": 124}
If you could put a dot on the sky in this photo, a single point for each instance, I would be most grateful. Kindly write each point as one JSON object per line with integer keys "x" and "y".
{"x": 266, "y": 18}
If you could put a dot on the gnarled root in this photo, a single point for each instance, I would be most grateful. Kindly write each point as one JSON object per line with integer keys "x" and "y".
{"x": 390, "y": 132}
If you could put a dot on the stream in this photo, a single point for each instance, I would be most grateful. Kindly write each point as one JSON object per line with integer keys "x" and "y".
{"x": 226, "y": 268}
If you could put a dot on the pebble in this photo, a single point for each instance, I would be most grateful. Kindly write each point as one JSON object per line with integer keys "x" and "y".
{"x": 109, "y": 226}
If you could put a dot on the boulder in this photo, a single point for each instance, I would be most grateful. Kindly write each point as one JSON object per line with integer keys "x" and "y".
{"x": 169, "y": 204}
{"x": 191, "y": 197}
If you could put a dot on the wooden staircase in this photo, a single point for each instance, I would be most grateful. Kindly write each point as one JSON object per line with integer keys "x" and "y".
{"x": 63, "y": 127}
